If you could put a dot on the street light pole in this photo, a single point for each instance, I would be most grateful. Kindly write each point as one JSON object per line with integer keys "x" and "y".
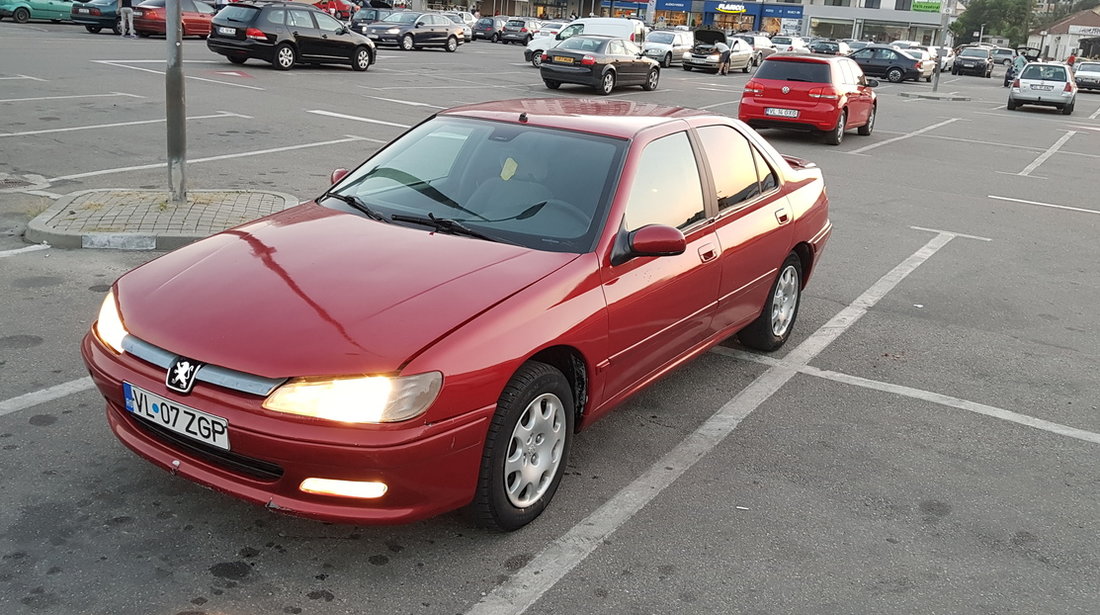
{"x": 981, "y": 34}
{"x": 174, "y": 105}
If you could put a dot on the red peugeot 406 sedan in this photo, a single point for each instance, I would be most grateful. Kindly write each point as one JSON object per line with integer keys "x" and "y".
{"x": 429, "y": 333}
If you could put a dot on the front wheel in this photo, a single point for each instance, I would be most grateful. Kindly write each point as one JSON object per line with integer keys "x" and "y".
{"x": 452, "y": 44}
{"x": 866, "y": 129}
{"x": 651, "y": 80}
{"x": 687, "y": 68}
{"x": 836, "y": 135}
{"x": 93, "y": 29}
{"x": 607, "y": 84}
{"x": 745, "y": 68}
{"x": 771, "y": 329}
{"x": 667, "y": 60}
{"x": 21, "y": 15}
{"x": 285, "y": 56}
{"x": 361, "y": 60}
{"x": 895, "y": 75}
{"x": 407, "y": 42}
{"x": 526, "y": 448}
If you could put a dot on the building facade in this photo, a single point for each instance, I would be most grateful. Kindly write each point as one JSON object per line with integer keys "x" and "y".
{"x": 1077, "y": 34}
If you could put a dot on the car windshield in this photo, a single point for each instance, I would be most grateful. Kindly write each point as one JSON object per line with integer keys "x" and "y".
{"x": 402, "y": 18}
{"x": 793, "y": 70}
{"x": 542, "y": 188}
{"x": 1089, "y": 67}
{"x": 664, "y": 38}
{"x": 974, "y": 53}
{"x": 1044, "y": 73}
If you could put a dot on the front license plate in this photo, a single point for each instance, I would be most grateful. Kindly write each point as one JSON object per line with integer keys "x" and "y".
{"x": 373, "y": 35}
{"x": 563, "y": 60}
{"x": 228, "y": 31}
{"x": 781, "y": 112}
{"x": 1045, "y": 88}
{"x": 195, "y": 424}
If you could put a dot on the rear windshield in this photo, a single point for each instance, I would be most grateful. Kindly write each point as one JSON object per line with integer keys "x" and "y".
{"x": 485, "y": 21}
{"x": 242, "y": 14}
{"x": 517, "y": 23}
{"x": 1044, "y": 73}
{"x": 781, "y": 40}
{"x": 788, "y": 70}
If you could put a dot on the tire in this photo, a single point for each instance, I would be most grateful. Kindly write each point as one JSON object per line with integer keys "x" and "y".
{"x": 928, "y": 79}
{"x": 361, "y": 60}
{"x": 237, "y": 59}
{"x": 526, "y": 41}
{"x": 954, "y": 72}
{"x": 651, "y": 80}
{"x": 495, "y": 38}
{"x": 686, "y": 67}
{"x": 1068, "y": 109}
{"x": 536, "y": 58}
{"x": 867, "y": 128}
{"x": 407, "y": 43}
{"x": 452, "y": 44}
{"x": 285, "y": 57}
{"x": 143, "y": 34}
{"x": 895, "y": 75}
{"x": 21, "y": 15}
{"x": 93, "y": 29}
{"x": 526, "y": 449}
{"x": 1007, "y": 63}
{"x": 117, "y": 28}
{"x": 607, "y": 83}
{"x": 745, "y": 68}
{"x": 1011, "y": 106}
{"x": 780, "y": 310}
{"x": 667, "y": 60}
{"x": 55, "y": 21}
{"x": 553, "y": 85}
{"x": 836, "y": 135}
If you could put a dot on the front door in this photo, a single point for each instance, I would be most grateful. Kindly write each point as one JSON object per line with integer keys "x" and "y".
{"x": 334, "y": 43}
{"x": 305, "y": 32}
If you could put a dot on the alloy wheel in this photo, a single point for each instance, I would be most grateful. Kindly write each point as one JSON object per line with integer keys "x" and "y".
{"x": 784, "y": 301}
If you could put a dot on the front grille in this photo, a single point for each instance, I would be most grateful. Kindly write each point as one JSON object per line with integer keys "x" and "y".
{"x": 229, "y": 460}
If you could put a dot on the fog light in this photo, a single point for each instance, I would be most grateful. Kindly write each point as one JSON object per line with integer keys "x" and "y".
{"x": 344, "y": 488}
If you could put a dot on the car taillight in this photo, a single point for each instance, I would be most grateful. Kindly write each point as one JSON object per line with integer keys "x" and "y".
{"x": 825, "y": 92}
{"x": 1069, "y": 87}
{"x": 917, "y": 65}
{"x": 544, "y": 57}
{"x": 94, "y": 12}
{"x": 1016, "y": 83}
{"x": 255, "y": 34}
{"x": 523, "y": 29}
{"x": 631, "y": 37}
{"x": 588, "y": 60}
{"x": 754, "y": 88}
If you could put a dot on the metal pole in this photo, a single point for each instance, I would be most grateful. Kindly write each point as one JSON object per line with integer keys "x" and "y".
{"x": 944, "y": 18}
{"x": 174, "y": 104}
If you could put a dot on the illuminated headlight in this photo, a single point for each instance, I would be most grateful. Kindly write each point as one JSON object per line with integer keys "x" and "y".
{"x": 366, "y": 399}
{"x": 393, "y": 31}
{"x": 108, "y": 327}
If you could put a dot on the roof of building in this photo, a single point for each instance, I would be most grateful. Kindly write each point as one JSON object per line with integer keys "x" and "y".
{"x": 1088, "y": 17}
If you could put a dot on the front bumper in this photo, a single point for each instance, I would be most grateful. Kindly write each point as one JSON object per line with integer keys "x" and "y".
{"x": 978, "y": 69}
{"x": 429, "y": 469}
{"x": 706, "y": 62}
{"x": 1088, "y": 85}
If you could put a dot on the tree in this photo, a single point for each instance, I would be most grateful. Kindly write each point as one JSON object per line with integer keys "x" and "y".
{"x": 1008, "y": 18}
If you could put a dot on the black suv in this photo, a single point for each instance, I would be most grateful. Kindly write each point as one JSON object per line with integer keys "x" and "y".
{"x": 286, "y": 33}
{"x": 975, "y": 61}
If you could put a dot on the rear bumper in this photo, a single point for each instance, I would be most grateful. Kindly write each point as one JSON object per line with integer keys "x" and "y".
{"x": 816, "y": 117}
{"x": 1048, "y": 99}
{"x": 570, "y": 74}
{"x": 247, "y": 48}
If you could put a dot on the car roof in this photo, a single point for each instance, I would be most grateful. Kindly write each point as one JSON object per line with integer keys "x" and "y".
{"x": 615, "y": 118}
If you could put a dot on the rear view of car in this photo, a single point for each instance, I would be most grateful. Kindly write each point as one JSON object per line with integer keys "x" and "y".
{"x": 97, "y": 15}
{"x": 519, "y": 30}
{"x": 1046, "y": 84}
{"x": 489, "y": 28}
{"x": 809, "y": 93}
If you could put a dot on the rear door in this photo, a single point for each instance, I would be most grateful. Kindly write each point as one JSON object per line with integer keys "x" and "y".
{"x": 847, "y": 79}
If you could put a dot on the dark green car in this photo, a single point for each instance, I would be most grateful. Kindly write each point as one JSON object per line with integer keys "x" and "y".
{"x": 22, "y": 11}
{"x": 97, "y": 15}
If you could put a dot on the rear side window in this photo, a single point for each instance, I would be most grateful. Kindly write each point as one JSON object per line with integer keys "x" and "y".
{"x": 242, "y": 14}
{"x": 274, "y": 16}
{"x": 731, "y": 164}
{"x": 666, "y": 188}
{"x": 786, "y": 70}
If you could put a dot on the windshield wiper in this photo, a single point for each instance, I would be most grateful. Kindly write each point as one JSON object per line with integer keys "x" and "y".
{"x": 357, "y": 203}
{"x": 446, "y": 225}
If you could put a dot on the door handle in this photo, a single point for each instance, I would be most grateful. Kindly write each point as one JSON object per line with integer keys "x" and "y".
{"x": 707, "y": 252}
{"x": 781, "y": 215}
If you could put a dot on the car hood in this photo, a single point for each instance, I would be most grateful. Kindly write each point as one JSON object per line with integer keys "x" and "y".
{"x": 657, "y": 46}
{"x": 311, "y": 291}
{"x": 710, "y": 37}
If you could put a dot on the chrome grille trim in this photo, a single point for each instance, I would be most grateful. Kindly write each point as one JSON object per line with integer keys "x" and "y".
{"x": 210, "y": 374}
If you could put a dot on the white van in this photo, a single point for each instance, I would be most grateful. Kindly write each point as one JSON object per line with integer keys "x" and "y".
{"x": 628, "y": 28}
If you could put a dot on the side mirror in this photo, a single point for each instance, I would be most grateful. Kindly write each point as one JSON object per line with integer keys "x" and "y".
{"x": 420, "y": 24}
{"x": 872, "y": 83}
{"x": 337, "y": 175}
{"x": 650, "y": 240}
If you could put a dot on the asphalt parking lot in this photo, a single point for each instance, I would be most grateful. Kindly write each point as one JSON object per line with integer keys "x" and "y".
{"x": 925, "y": 443}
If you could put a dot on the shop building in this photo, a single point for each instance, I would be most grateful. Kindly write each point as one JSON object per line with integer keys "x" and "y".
{"x": 1076, "y": 33}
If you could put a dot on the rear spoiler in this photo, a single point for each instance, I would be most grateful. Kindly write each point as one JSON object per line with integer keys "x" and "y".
{"x": 799, "y": 163}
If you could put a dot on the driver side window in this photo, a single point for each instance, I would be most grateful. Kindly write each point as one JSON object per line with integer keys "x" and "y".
{"x": 666, "y": 187}
{"x": 328, "y": 24}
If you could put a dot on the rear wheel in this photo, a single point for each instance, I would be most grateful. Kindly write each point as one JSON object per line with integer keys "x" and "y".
{"x": 553, "y": 85}
{"x": 1068, "y": 109}
{"x": 452, "y": 44}
{"x": 361, "y": 60}
{"x": 285, "y": 56}
{"x": 93, "y": 29}
{"x": 772, "y": 328}
{"x": 495, "y": 38}
{"x": 1011, "y": 106}
{"x": 407, "y": 42}
{"x": 526, "y": 448}
{"x": 607, "y": 84}
{"x": 836, "y": 135}
{"x": 895, "y": 75}
{"x": 117, "y": 28}
{"x": 928, "y": 79}
{"x": 651, "y": 80}
{"x": 866, "y": 129}
{"x": 237, "y": 59}
{"x": 144, "y": 34}
{"x": 21, "y": 15}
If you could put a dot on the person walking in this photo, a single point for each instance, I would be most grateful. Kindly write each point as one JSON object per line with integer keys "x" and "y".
{"x": 126, "y": 18}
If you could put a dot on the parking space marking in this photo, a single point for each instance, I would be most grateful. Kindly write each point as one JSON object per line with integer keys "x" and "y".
{"x": 728, "y": 102}
{"x": 356, "y": 118}
{"x": 904, "y": 136}
{"x": 260, "y": 152}
{"x": 119, "y": 64}
{"x": 400, "y": 102}
{"x": 520, "y": 591}
{"x": 18, "y": 251}
{"x": 904, "y": 391}
{"x": 29, "y": 400}
{"x": 1047, "y": 154}
{"x": 111, "y": 95}
{"x": 1041, "y": 204}
{"x": 1095, "y": 114}
{"x": 117, "y": 124}
{"x": 24, "y": 77}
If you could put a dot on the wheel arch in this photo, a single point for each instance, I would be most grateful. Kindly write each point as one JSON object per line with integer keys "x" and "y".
{"x": 572, "y": 364}
{"x": 805, "y": 254}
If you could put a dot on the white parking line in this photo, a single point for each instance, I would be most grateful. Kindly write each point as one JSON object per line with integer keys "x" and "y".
{"x": 18, "y": 251}
{"x": 728, "y": 102}
{"x": 1041, "y": 204}
{"x": 112, "y": 94}
{"x": 119, "y": 64}
{"x": 1095, "y": 114}
{"x": 1047, "y": 154}
{"x": 904, "y": 136}
{"x": 527, "y": 585}
{"x": 161, "y": 165}
{"x": 22, "y": 77}
{"x": 117, "y": 124}
{"x": 35, "y": 398}
{"x": 400, "y": 102}
{"x": 356, "y": 118}
{"x": 929, "y": 396}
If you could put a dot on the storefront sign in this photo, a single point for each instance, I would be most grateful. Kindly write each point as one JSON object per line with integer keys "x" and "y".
{"x": 673, "y": 5}
{"x": 730, "y": 7}
{"x": 788, "y": 12}
{"x": 926, "y": 6}
{"x": 1085, "y": 30}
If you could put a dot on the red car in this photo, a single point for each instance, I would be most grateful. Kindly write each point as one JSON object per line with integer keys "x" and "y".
{"x": 430, "y": 332}
{"x": 341, "y": 9}
{"x": 811, "y": 93}
{"x": 149, "y": 18}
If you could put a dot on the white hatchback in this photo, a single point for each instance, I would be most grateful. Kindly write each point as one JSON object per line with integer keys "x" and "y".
{"x": 1044, "y": 83}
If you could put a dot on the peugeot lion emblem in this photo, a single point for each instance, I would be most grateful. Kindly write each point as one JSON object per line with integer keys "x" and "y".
{"x": 786, "y": 90}
{"x": 181, "y": 375}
